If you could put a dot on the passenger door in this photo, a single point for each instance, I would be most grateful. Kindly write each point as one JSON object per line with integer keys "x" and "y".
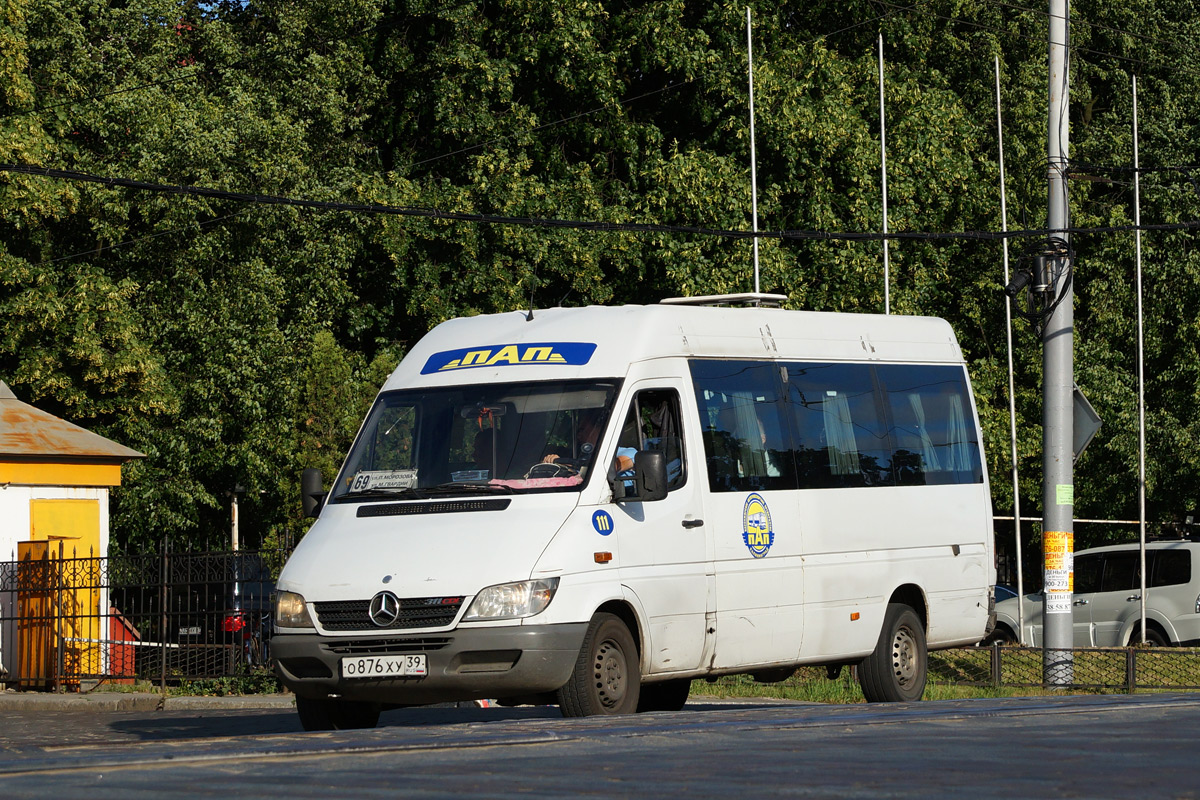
{"x": 757, "y": 557}
{"x": 664, "y": 550}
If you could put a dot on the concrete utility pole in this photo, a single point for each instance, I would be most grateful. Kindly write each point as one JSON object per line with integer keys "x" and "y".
{"x": 1058, "y": 490}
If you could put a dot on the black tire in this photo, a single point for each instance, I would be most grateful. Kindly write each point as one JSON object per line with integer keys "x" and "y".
{"x": 1154, "y": 638}
{"x": 896, "y": 671}
{"x": 328, "y": 714}
{"x": 665, "y": 696}
{"x": 1001, "y": 635}
{"x": 607, "y": 678}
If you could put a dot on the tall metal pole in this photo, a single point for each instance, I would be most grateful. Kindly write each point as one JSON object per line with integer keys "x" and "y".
{"x": 887, "y": 283}
{"x": 1012, "y": 396}
{"x": 1058, "y": 488}
{"x": 1141, "y": 356}
{"x": 753, "y": 158}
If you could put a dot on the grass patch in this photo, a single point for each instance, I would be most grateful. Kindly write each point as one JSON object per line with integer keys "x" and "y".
{"x": 965, "y": 673}
{"x": 254, "y": 681}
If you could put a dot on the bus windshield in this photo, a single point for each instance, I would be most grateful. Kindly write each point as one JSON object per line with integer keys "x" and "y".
{"x": 501, "y": 438}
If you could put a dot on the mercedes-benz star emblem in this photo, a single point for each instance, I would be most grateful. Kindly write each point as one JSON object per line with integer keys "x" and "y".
{"x": 385, "y": 608}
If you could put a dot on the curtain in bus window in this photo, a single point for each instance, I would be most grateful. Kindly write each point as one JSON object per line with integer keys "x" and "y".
{"x": 840, "y": 439}
{"x": 959, "y": 459}
{"x": 928, "y": 453}
{"x": 745, "y": 440}
{"x": 839, "y": 435}
{"x": 931, "y": 428}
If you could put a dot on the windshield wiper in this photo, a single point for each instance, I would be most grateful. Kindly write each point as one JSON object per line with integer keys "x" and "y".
{"x": 388, "y": 493}
{"x": 473, "y": 487}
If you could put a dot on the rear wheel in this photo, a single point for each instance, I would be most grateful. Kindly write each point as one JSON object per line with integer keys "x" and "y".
{"x": 607, "y": 678}
{"x": 664, "y": 696}
{"x": 1154, "y": 638}
{"x": 1001, "y": 635}
{"x": 329, "y": 714}
{"x": 895, "y": 672}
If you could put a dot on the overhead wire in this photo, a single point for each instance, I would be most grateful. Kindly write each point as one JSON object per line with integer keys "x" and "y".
{"x": 550, "y": 222}
{"x": 155, "y": 235}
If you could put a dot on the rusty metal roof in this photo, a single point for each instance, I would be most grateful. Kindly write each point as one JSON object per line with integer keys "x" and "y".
{"x": 26, "y": 432}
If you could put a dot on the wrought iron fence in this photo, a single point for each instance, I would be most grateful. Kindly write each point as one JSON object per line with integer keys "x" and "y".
{"x": 1116, "y": 668}
{"x": 162, "y": 617}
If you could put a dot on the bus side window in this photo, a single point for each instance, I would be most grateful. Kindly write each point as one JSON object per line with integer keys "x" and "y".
{"x": 745, "y": 438}
{"x": 932, "y": 429}
{"x": 653, "y": 424}
{"x": 840, "y": 438}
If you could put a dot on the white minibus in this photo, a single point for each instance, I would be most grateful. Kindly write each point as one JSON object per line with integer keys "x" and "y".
{"x": 595, "y": 506}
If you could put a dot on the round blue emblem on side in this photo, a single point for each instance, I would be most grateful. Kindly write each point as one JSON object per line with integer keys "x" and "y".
{"x": 602, "y": 521}
{"x": 756, "y": 526}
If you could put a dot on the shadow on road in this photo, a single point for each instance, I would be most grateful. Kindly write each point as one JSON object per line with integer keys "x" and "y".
{"x": 227, "y": 723}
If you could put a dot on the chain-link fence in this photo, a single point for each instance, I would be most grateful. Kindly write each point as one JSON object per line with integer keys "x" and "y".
{"x": 163, "y": 617}
{"x": 1118, "y": 668}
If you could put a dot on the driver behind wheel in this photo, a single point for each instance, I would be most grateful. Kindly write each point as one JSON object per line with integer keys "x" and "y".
{"x": 587, "y": 432}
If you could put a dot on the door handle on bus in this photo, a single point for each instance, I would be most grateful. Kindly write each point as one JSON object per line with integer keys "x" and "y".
{"x": 1133, "y": 597}
{"x": 1080, "y": 602}
{"x": 693, "y": 523}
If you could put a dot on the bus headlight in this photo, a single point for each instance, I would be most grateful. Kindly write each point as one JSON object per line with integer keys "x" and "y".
{"x": 291, "y": 611}
{"x": 512, "y": 600}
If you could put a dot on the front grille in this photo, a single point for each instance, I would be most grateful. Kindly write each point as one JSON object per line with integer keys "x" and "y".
{"x": 371, "y": 647}
{"x": 417, "y": 612}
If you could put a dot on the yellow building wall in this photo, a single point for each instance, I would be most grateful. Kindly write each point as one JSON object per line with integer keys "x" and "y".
{"x": 50, "y": 474}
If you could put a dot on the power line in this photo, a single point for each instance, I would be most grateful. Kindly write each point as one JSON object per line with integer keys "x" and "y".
{"x": 585, "y": 225}
{"x": 159, "y": 234}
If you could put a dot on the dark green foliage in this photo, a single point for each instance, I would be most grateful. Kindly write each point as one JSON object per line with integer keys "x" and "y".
{"x": 238, "y": 343}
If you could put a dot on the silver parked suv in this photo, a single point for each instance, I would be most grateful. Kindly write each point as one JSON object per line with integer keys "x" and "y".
{"x": 1107, "y": 607}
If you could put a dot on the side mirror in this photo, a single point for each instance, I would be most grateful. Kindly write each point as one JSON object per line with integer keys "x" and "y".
{"x": 650, "y": 475}
{"x": 312, "y": 491}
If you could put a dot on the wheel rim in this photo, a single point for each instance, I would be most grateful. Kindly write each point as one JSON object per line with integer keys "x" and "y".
{"x": 904, "y": 657}
{"x": 611, "y": 674}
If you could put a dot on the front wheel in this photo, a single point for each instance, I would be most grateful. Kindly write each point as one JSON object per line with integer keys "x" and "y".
{"x": 895, "y": 672}
{"x": 607, "y": 678}
{"x": 329, "y": 714}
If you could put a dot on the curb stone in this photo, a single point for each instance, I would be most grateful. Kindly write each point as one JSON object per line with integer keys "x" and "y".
{"x": 137, "y": 701}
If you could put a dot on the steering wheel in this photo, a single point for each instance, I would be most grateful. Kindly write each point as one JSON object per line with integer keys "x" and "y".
{"x": 554, "y": 469}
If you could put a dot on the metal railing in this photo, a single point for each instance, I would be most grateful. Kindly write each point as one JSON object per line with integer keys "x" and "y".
{"x": 67, "y": 620}
{"x": 1125, "y": 669}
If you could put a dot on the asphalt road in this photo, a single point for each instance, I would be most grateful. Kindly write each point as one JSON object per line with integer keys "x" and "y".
{"x": 1142, "y": 746}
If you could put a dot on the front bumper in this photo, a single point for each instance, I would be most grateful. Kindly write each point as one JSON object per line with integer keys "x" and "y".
{"x": 463, "y": 664}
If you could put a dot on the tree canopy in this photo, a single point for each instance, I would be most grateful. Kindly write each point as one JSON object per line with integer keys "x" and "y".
{"x": 236, "y": 342}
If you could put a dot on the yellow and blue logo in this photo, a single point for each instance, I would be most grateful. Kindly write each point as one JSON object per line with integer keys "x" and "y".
{"x": 602, "y": 521}
{"x": 756, "y": 526}
{"x": 503, "y": 355}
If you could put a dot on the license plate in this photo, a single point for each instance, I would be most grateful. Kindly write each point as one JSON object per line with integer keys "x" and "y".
{"x": 384, "y": 666}
{"x": 192, "y": 631}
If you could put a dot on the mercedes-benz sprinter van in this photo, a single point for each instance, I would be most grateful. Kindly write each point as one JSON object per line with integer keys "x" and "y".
{"x": 595, "y": 506}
